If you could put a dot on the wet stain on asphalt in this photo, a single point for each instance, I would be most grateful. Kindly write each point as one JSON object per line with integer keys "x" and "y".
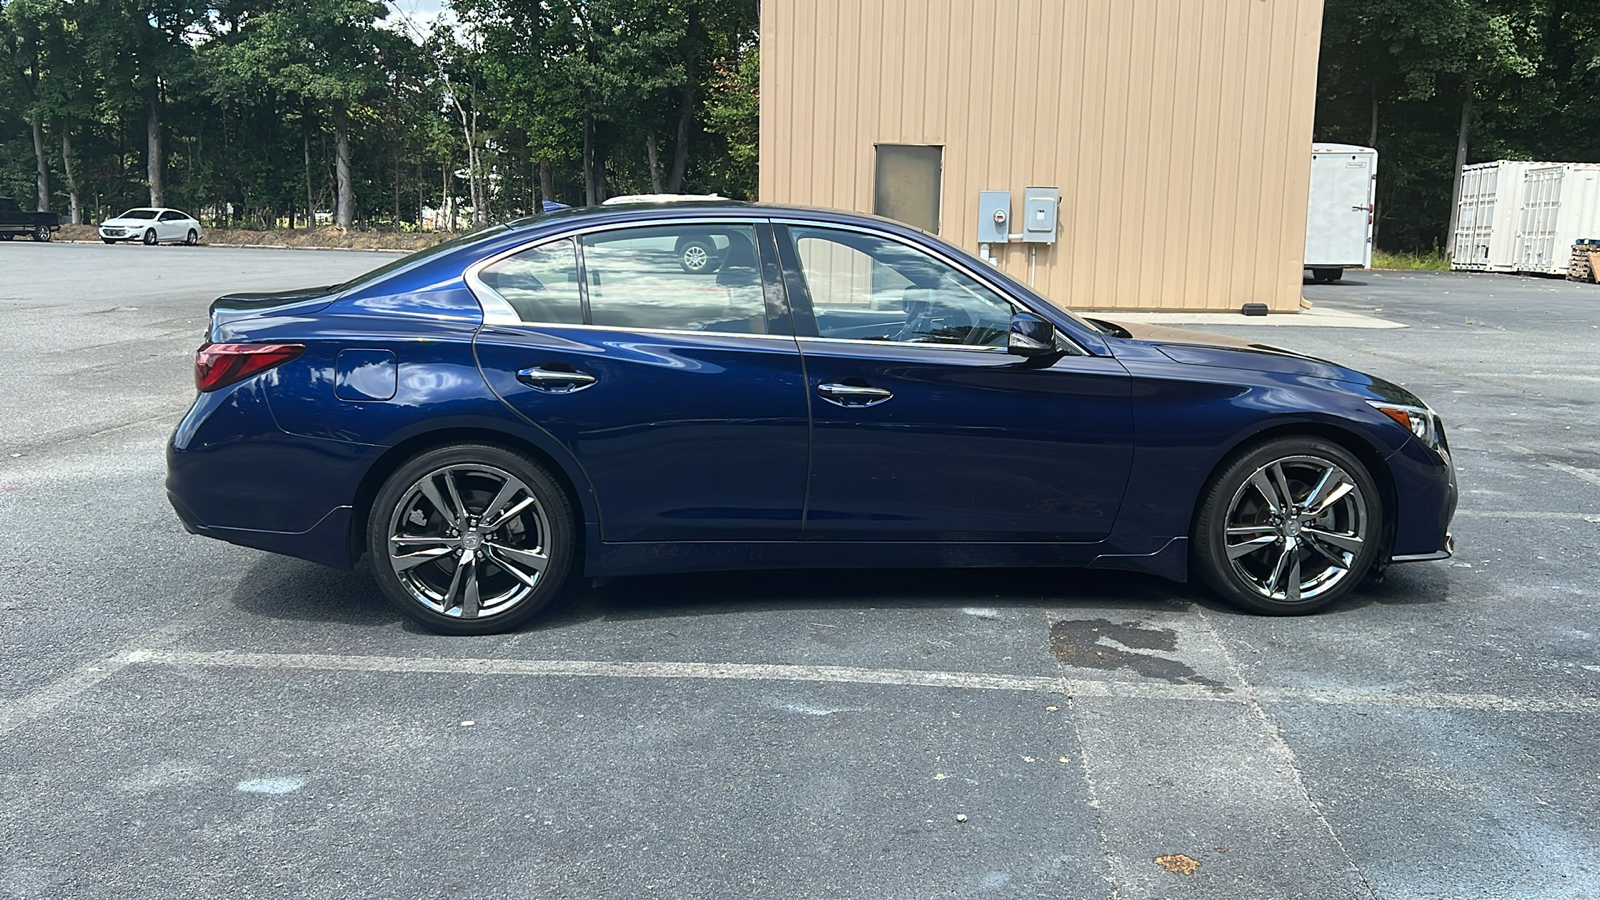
{"x": 1107, "y": 645}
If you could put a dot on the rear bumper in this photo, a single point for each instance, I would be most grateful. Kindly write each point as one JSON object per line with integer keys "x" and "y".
{"x": 234, "y": 476}
{"x": 327, "y": 542}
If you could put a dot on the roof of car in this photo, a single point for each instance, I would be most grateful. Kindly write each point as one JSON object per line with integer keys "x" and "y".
{"x": 675, "y": 209}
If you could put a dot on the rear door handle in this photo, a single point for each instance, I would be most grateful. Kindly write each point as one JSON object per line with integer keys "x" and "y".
{"x": 555, "y": 382}
{"x": 852, "y": 394}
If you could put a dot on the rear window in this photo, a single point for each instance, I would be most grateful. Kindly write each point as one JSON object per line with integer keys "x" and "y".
{"x": 690, "y": 277}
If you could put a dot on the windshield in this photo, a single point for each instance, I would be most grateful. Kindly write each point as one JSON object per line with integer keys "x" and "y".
{"x": 413, "y": 258}
{"x": 138, "y": 214}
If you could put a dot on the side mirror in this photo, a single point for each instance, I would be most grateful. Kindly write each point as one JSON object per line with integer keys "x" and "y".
{"x": 1031, "y": 336}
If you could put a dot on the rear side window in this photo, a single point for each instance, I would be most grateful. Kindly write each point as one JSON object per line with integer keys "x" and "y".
{"x": 691, "y": 277}
{"x": 541, "y": 284}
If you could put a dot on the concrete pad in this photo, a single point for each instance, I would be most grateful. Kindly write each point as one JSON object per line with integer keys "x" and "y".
{"x": 1315, "y": 317}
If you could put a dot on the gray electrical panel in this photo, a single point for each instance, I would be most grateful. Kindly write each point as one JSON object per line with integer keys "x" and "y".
{"x": 1039, "y": 208}
{"x": 994, "y": 216}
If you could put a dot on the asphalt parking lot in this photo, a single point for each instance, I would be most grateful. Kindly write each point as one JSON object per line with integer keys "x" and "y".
{"x": 183, "y": 718}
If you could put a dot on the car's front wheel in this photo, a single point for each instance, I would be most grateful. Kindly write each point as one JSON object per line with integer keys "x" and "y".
{"x": 150, "y": 237}
{"x": 471, "y": 539}
{"x": 1288, "y": 526}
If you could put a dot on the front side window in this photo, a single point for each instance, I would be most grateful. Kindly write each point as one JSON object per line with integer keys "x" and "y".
{"x": 541, "y": 283}
{"x": 869, "y": 288}
{"x": 689, "y": 277}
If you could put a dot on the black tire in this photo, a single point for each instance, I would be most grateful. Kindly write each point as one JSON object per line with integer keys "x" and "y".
{"x": 41, "y": 233}
{"x": 1267, "y": 550}
{"x": 7, "y": 236}
{"x": 698, "y": 256}
{"x": 150, "y": 237}
{"x": 192, "y": 238}
{"x": 108, "y": 240}
{"x": 437, "y": 584}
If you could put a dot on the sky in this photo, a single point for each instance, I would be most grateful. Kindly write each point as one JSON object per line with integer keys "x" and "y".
{"x": 422, "y": 13}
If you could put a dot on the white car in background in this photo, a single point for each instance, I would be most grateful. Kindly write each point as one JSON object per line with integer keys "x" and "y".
{"x": 152, "y": 225}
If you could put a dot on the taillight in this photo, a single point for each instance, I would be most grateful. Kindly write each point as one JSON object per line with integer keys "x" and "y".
{"x": 218, "y": 365}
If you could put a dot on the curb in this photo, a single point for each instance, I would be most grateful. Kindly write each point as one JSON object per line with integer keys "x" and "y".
{"x": 273, "y": 247}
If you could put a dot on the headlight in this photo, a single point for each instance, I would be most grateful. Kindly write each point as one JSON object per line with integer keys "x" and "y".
{"x": 1419, "y": 420}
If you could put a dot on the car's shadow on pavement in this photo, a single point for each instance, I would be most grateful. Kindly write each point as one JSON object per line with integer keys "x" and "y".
{"x": 723, "y": 593}
{"x": 279, "y": 588}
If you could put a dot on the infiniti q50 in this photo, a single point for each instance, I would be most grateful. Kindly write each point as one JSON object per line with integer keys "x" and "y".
{"x": 563, "y": 396}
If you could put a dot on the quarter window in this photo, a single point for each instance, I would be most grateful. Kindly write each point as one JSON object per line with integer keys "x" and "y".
{"x": 868, "y": 288}
{"x": 541, "y": 284}
{"x": 676, "y": 277}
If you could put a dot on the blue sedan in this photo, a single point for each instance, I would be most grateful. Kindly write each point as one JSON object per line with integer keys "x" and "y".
{"x": 563, "y": 395}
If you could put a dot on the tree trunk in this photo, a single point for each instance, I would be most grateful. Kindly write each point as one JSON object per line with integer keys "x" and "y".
{"x": 311, "y": 197}
{"x": 154, "y": 164}
{"x": 41, "y": 164}
{"x": 680, "y": 151}
{"x": 655, "y": 161}
{"x": 1372, "y": 130}
{"x": 1461, "y": 163}
{"x": 590, "y": 192}
{"x": 547, "y": 181}
{"x": 75, "y": 209}
{"x": 344, "y": 205}
{"x": 397, "y": 184}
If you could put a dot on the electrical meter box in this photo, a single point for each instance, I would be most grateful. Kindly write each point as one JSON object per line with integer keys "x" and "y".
{"x": 994, "y": 216}
{"x": 1039, "y": 207}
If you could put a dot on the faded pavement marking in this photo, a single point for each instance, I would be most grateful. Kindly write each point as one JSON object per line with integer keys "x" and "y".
{"x": 534, "y": 668}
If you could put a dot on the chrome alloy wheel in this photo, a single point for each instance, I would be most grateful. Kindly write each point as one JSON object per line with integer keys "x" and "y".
{"x": 695, "y": 257}
{"x": 469, "y": 541}
{"x": 1295, "y": 528}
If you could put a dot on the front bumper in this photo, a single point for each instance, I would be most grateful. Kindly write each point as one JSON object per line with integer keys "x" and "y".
{"x": 1448, "y": 551}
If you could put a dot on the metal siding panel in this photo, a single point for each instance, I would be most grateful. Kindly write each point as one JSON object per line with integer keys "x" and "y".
{"x": 1177, "y": 130}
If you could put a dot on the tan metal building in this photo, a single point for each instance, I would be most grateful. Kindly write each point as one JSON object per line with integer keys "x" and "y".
{"x": 1177, "y": 131}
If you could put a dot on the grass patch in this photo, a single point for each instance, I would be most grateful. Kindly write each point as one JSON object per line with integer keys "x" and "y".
{"x": 1435, "y": 261}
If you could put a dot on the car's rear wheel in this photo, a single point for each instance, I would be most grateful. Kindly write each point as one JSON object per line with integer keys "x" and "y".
{"x": 150, "y": 237}
{"x": 471, "y": 539}
{"x": 41, "y": 233}
{"x": 192, "y": 238}
{"x": 1288, "y": 526}
{"x": 7, "y": 236}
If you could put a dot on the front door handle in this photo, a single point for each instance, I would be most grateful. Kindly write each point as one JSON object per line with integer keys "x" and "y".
{"x": 852, "y": 394}
{"x": 552, "y": 381}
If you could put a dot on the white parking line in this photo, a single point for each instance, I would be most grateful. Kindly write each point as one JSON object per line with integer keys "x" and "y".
{"x": 988, "y": 681}
{"x": 1527, "y": 514}
{"x": 18, "y": 712}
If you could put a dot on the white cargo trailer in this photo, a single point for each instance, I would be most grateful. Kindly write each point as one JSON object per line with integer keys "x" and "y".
{"x": 1560, "y": 204}
{"x": 1344, "y": 178}
{"x": 1489, "y": 215}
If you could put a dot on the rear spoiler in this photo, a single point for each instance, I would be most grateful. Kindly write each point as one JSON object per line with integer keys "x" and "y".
{"x": 231, "y": 308}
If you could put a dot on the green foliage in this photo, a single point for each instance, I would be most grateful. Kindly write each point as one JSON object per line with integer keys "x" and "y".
{"x": 1396, "y": 74}
{"x": 245, "y": 97}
